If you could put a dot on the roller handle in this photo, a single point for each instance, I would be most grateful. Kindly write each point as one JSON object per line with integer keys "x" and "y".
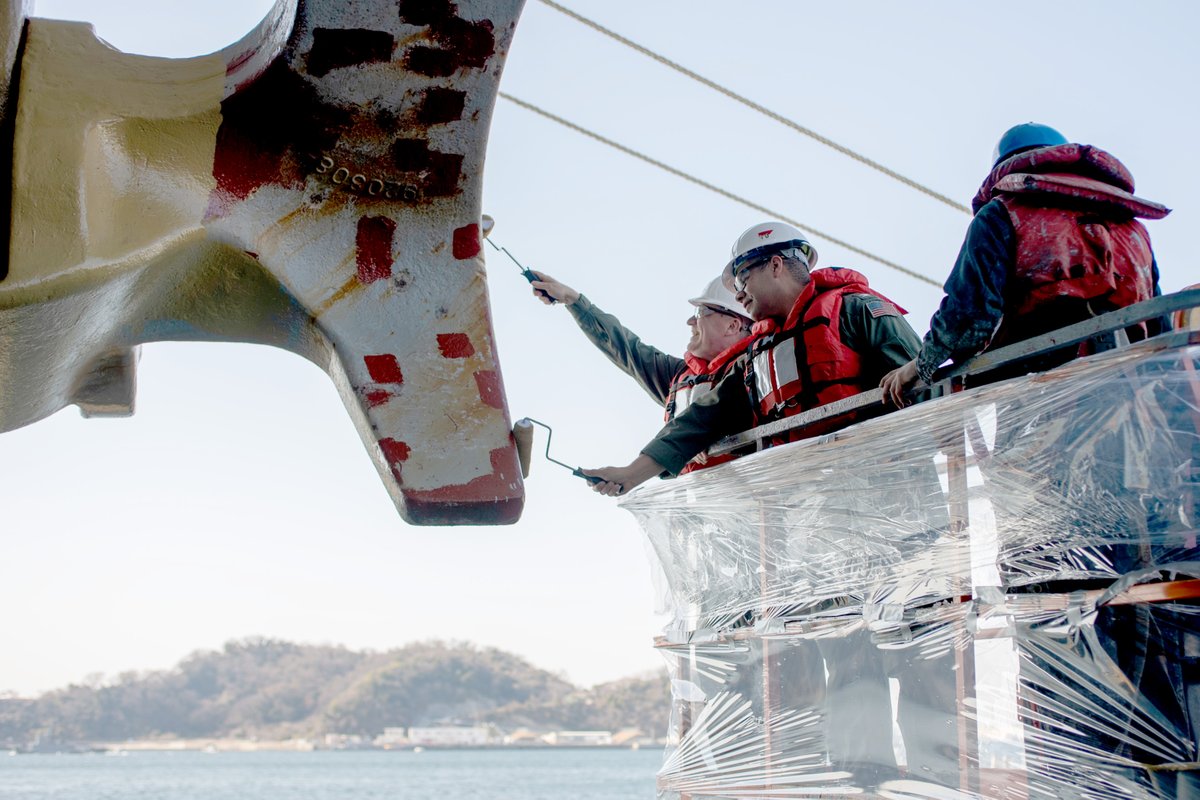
{"x": 488, "y": 224}
{"x": 578, "y": 473}
{"x": 592, "y": 479}
{"x": 523, "y": 433}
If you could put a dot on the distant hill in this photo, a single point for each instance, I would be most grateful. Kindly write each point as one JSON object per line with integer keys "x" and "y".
{"x": 273, "y": 689}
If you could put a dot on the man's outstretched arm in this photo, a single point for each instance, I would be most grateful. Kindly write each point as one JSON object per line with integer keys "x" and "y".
{"x": 653, "y": 369}
{"x": 617, "y": 481}
{"x": 722, "y": 412}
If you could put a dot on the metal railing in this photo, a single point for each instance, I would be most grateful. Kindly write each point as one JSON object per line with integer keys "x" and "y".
{"x": 870, "y": 403}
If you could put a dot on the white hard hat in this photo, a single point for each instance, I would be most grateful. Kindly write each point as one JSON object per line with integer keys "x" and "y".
{"x": 767, "y": 239}
{"x": 715, "y": 294}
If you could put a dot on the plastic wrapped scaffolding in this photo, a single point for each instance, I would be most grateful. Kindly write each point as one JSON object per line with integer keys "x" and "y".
{"x": 990, "y": 594}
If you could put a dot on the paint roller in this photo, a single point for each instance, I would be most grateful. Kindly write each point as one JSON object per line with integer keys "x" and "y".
{"x": 523, "y": 434}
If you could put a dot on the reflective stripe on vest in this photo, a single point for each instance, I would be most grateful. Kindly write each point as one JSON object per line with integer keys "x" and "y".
{"x": 776, "y": 375}
{"x": 684, "y": 392}
{"x": 689, "y": 393}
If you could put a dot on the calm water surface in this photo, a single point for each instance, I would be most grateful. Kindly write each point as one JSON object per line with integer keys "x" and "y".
{"x": 557, "y": 774}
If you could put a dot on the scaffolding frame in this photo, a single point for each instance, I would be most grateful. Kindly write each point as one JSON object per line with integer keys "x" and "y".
{"x": 973, "y": 780}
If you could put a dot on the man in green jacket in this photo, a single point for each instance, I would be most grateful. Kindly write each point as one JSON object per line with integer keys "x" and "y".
{"x": 720, "y": 329}
{"x": 773, "y": 271}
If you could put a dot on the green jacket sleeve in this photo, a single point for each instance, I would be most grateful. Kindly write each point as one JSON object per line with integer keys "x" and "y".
{"x": 879, "y": 334}
{"x": 722, "y": 412}
{"x": 653, "y": 369}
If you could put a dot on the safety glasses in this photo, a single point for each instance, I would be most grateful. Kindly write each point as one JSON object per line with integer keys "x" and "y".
{"x": 708, "y": 311}
{"x": 740, "y": 277}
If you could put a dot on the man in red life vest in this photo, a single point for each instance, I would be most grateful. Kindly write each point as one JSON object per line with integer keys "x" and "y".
{"x": 819, "y": 335}
{"x": 1055, "y": 240}
{"x": 720, "y": 333}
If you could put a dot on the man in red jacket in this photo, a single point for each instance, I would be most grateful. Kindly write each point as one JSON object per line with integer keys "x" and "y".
{"x": 1055, "y": 240}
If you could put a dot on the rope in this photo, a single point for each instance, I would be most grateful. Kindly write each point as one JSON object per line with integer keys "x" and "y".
{"x": 875, "y": 165}
{"x": 718, "y": 190}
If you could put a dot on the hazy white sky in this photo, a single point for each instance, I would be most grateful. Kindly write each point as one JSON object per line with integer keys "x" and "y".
{"x": 238, "y": 500}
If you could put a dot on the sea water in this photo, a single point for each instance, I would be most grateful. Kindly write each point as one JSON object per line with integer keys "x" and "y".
{"x": 541, "y": 774}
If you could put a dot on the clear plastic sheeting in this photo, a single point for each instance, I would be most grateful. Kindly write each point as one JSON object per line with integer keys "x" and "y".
{"x": 990, "y": 594}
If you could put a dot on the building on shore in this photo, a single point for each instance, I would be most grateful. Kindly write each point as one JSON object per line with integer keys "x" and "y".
{"x": 579, "y": 738}
{"x": 451, "y": 736}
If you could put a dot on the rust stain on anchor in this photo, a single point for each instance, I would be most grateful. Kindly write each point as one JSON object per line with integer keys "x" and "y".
{"x": 278, "y": 130}
{"x": 265, "y": 132}
{"x": 347, "y": 47}
{"x": 461, "y": 43}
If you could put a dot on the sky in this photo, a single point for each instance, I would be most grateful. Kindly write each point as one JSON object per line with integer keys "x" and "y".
{"x": 129, "y": 544}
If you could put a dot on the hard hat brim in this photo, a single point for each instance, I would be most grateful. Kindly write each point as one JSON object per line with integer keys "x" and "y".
{"x": 808, "y": 254}
{"x": 710, "y": 302}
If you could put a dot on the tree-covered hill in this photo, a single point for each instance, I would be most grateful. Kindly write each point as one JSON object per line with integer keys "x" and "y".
{"x": 273, "y": 689}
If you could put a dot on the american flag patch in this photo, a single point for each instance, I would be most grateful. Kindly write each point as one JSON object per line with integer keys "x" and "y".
{"x": 879, "y": 308}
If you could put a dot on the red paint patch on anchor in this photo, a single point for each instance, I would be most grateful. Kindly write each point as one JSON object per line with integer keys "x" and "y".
{"x": 347, "y": 47}
{"x": 466, "y": 241}
{"x": 373, "y": 248}
{"x": 384, "y": 369}
{"x": 439, "y": 106}
{"x": 441, "y": 172}
{"x": 495, "y": 499}
{"x": 455, "y": 345}
{"x": 491, "y": 391}
{"x": 394, "y": 453}
{"x": 461, "y": 43}
{"x": 394, "y": 450}
{"x": 377, "y": 397}
{"x": 268, "y": 129}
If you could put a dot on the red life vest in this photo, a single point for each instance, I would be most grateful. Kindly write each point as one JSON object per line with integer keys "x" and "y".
{"x": 1079, "y": 249}
{"x": 692, "y": 383}
{"x": 803, "y": 363}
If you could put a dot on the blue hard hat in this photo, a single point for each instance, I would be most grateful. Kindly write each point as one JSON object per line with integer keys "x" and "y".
{"x": 1025, "y": 136}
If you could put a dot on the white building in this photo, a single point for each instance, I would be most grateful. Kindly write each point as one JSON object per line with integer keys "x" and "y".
{"x": 590, "y": 738}
{"x": 392, "y": 737}
{"x": 460, "y": 736}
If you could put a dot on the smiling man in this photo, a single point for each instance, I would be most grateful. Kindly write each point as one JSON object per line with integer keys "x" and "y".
{"x": 820, "y": 335}
{"x": 720, "y": 331}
